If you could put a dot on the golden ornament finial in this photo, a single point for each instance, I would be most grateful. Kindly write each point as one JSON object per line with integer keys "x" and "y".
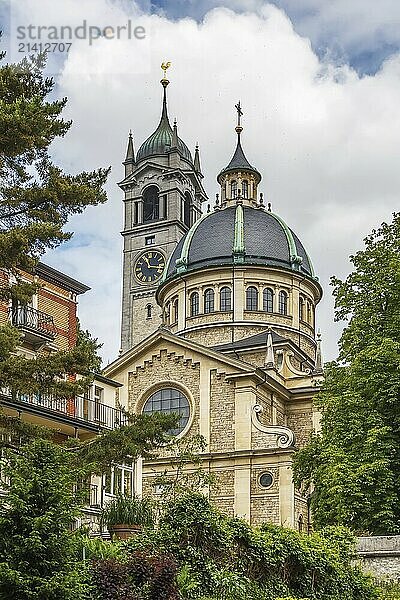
{"x": 165, "y": 66}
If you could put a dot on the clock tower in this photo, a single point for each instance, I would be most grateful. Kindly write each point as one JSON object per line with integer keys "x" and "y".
{"x": 163, "y": 194}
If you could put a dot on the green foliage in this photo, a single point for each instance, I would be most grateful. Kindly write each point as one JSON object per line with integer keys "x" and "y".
{"x": 354, "y": 465}
{"x": 36, "y": 197}
{"x": 37, "y": 549}
{"x": 124, "y": 510}
{"x": 36, "y": 201}
{"x": 389, "y": 590}
{"x": 222, "y": 557}
{"x": 89, "y": 346}
{"x": 176, "y": 480}
{"x": 95, "y": 548}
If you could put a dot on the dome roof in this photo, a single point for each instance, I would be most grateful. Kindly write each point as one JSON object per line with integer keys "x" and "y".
{"x": 239, "y": 235}
{"x": 164, "y": 137}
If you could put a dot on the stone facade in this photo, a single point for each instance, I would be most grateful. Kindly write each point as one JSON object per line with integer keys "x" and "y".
{"x": 380, "y": 556}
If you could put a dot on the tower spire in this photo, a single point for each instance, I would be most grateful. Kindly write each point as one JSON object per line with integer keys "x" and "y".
{"x": 129, "y": 161}
{"x": 196, "y": 163}
{"x": 164, "y": 82}
{"x": 319, "y": 368}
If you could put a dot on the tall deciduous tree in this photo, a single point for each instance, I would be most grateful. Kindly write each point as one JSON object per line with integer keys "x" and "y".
{"x": 354, "y": 463}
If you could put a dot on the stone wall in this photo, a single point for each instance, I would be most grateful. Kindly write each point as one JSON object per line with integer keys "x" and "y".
{"x": 222, "y": 414}
{"x": 380, "y": 556}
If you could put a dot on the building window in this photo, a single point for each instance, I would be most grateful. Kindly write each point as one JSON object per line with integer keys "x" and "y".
{"x": 268, "y": 300}
{"x": 209, "y": 301}
{"x": 245, "y": 188}
{"x": 165, "y": 207}
{"x": 151, "y": 204}
{"x": 252, "y": 298}
{"x": 300, "y": 524}
{"x": 301, "y": 308}
{"x": 119, "y": 480}
{"x": 225, "y": 299}
{"x": 187, "y": 203}
{"x": 136, "y": 213}
{"x": 167, "y": 313}
{"x": 169, "y": 400}
{"x": 283, "y": 299}
{"x": 176, "y": 310}
{"x": 150, "y": 240}
{"x": 98, "y": 404}
{"x": 266, "y": 480}
{"x": 149, "y": 310}
{"x": 194, "y": 304}
{"x": 309, "y": 312}
{"x": 233, "y": 189}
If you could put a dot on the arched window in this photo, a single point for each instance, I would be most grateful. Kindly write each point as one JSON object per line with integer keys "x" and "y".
{"x": 300, "y": 523}
{"x": 209, "y": 300}
{"x": 308, "y": 312}
{"x": 283, "y": 298}
{"x": 176, "y": 310}
{"x": 225, "y": 299}
{"x": 301, "y": 308}
{"x": 233, "y": 189}
{"x": 151, "y": 204}
{"x": 167, "y": 401}
{"x": 252, "y": 298}
{"x": 245, "y": 188}
{"x": 194, "y": 304}
{"x": 268, "y": 300}
{"x": 167, "y": 313}
{"x": 149, "y": 310}
{"x": 186, "y": 209}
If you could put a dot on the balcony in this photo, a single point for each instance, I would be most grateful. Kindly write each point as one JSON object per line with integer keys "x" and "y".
{"x": 80, "y": 411}
{"x": 38, "y": 327}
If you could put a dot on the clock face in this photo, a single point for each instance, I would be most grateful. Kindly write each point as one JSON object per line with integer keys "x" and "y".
{"x": 150, "y": 266}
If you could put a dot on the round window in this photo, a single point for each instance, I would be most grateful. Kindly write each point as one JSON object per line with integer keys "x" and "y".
{"x": 169, "y": 400}
{"x": 266, "y": 480}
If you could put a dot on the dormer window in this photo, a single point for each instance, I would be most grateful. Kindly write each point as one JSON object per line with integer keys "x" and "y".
{"x": 245, "y": 188}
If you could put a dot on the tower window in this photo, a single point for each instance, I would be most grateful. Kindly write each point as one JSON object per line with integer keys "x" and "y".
{"x": 268, "y": 300}
{"x": 194, "y": 304}
{"x": 149, "y": 240}
{"x": 187, "y": 203}
{"x": 209, "y": 300}
{"x": 245, "y": 188}
{"x": 233, "y": 189}
{"x": 136, "y": 213}
{"x": 151, "y": 204}
{"x": 301, "y": 308}
{"x": 283, "y": 301}
{"x": 176, "y": 310}
{"x": 252, "y": 298}
{"x": 225, "y": 299}
{"x": 308, "y": 312}
{"x": 149, "y": 311}
{"x": 164, "y": 200}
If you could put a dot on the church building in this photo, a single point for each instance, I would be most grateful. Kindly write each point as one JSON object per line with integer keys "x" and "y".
{"x": 218, "y": 323}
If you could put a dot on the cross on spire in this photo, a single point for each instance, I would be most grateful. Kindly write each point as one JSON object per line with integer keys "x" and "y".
{"x": 239, "y": 113}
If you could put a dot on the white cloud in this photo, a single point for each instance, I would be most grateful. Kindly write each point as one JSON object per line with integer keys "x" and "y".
{"x": 325, "y": 141}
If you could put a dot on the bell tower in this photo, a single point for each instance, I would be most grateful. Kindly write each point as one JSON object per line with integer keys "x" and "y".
{"x": 163, "y": 194}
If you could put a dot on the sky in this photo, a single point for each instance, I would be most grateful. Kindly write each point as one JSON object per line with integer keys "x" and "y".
{"x": 319, "y": 83}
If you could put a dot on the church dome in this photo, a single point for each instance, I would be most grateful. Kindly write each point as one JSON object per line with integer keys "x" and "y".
{"x": 164, "y": 137}
{"x": 239, "y": 235}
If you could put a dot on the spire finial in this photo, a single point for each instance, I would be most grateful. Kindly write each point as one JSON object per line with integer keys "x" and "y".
{"x": 165, "y": 66}
{"x": 319, "y": 367}
{"x": 196, "y": 163}
{"x": 164, "y": 82}
{"x": 239, "y": 127}
{"x": 270, "y": 358}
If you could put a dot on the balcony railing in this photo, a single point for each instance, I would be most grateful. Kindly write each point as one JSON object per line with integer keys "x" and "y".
{"x": 34, "y": 323}
{"x": 78, "y": 408}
